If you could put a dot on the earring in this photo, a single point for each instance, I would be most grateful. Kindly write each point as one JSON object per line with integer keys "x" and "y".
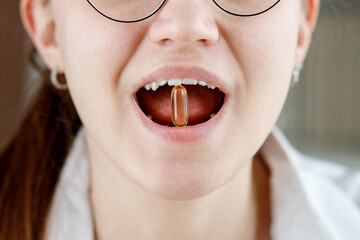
{"x": 296, "y": 73}
{"x": 54, "y": 76}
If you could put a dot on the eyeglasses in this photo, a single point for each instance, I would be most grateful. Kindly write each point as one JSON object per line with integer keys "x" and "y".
{"x": 128, "y": 11}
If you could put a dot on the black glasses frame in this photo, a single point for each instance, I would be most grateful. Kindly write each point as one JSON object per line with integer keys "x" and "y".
{"x": 246, "y": 15}
{"x": 162, "y": 4}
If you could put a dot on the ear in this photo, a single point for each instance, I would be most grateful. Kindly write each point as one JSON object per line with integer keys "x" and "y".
{"x": 39, "y": 23}
{"x": 308, "y": 21}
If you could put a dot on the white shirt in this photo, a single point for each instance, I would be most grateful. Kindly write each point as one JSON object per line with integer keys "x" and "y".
{"x": 311, "y": 199}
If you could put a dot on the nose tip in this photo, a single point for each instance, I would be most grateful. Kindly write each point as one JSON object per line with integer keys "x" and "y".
{"x": 185, "y": 22}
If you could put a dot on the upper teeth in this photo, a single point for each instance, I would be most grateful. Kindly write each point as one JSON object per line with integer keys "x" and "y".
{"x": 177, "y": 81}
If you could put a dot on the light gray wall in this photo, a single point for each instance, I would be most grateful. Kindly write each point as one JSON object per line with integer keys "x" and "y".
{"x": 322, "y": 114}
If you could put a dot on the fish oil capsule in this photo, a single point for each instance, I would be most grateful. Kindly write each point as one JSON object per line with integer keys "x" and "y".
{"x": 179, "y": 106}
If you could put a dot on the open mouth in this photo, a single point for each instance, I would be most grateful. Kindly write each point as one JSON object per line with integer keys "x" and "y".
{"x": 204, "y": 100}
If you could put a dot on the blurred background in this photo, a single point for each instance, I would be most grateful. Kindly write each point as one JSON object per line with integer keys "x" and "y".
{"x": 321, "y": 116}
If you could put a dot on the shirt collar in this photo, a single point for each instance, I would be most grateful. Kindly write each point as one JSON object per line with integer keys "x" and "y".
{"x": 293, "y": 216}
{"x": 70, "y": 215}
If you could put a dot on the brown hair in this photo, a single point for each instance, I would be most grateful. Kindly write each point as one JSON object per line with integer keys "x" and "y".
{"x": 31, "y": 161}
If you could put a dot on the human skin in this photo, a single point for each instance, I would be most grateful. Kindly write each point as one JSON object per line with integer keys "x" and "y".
{"x": 143, "y": 186}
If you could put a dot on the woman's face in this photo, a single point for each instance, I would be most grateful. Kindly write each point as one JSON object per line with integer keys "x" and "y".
{"x": 105, "y": 62}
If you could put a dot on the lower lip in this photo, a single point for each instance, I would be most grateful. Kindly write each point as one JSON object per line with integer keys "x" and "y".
{"x": 185, "y": 134}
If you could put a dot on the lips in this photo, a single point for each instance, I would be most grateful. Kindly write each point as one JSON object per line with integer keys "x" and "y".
{"x": 208, "y": 101}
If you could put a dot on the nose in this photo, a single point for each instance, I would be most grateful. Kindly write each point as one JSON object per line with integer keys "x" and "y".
{"x": 184, "y": 22}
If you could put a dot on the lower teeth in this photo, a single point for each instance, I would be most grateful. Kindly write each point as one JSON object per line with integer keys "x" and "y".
{"x": 211, "y": 116}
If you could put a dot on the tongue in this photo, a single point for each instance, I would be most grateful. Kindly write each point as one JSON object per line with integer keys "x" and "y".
{"x": 202, "y": 102}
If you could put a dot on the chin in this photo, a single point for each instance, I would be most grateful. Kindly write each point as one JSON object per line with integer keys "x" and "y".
{"x": 182, "y": 193}
{"x": 182, "y": 183}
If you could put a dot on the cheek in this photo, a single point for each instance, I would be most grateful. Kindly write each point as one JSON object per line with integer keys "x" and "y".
{"x": 264, "y": 47}
{"x": 94, "y": 51}
{"x": 265, "y": 52}
{"x": 96, "y": 44}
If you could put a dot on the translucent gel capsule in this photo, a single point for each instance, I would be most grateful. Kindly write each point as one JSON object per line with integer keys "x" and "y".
{"x": 179, "y": 106}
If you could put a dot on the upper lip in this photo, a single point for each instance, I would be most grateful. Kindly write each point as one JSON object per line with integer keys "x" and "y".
{"x": 195, "y": 72}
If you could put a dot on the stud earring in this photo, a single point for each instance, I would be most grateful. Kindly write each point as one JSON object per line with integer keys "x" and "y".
{"x": 56, "y": 82}
{"x": 296, "y": 73}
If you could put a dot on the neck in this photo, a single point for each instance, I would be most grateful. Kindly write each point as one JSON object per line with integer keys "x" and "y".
{"x": 123, "y": 210}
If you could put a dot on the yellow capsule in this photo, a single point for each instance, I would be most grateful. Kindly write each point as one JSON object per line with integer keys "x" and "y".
{"x": 179, "y": 106}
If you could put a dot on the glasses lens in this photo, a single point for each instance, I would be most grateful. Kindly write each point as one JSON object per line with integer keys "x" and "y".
{"x": 126, "y": 10}
{"x": 245, "y": 7}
